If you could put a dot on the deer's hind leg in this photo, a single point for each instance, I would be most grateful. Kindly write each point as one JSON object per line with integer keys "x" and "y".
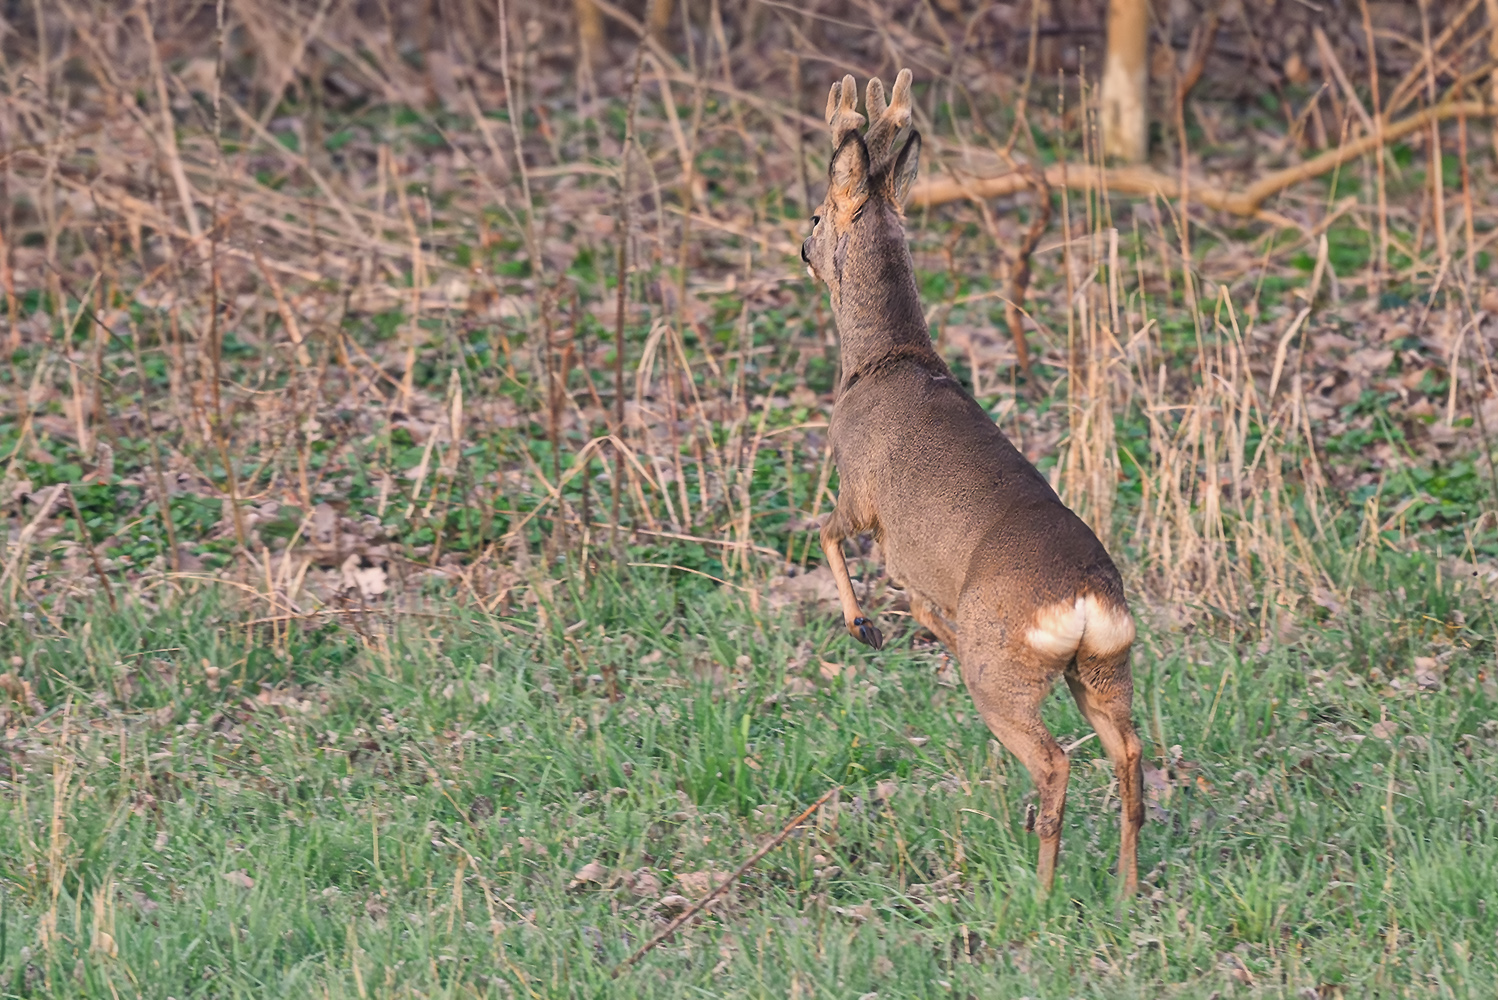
{"x": 929, "y": 615}
{"x": 1104, "y": 691}
{"x": 1008, "y": 681}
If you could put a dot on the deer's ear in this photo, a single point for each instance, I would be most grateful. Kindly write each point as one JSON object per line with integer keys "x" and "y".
{"x": 902, "y": 172}
{"x": 848, "y": 176}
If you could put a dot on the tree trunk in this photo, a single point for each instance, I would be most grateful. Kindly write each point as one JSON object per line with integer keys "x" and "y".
{"x": 660, "y": 17}
{"x": 1126, "y": 81}
{"x": 589, "y": 28}
{"x": 1493, "y": 51}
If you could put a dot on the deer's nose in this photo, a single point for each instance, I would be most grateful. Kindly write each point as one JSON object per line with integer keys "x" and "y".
{"x": 805, "y": 257}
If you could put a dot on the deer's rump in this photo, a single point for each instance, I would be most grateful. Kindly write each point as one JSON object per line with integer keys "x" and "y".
{"x": 951, "y": 499}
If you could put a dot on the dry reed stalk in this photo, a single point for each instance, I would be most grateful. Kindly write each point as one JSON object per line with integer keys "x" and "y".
{"x": 1409, "y": 85}
{"x": 724, "y": 87}
{"x": 169, "y": 127}
{"x": 1379, "y": 133}
{"x": 622, "y": 232}
{"x": 302, "y": 39}
{"x": 1436, "y": 178}
{"x": 1349, "y": 93}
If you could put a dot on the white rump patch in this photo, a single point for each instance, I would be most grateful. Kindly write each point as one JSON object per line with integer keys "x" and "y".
{"x": 1059, "y": 628}
{"x": 1109, "y": 628}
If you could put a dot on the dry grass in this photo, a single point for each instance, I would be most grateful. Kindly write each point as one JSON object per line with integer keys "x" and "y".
{"x": 291, "y": 265}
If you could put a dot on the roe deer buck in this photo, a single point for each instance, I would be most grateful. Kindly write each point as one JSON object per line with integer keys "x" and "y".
{"x": 995, "y": 565}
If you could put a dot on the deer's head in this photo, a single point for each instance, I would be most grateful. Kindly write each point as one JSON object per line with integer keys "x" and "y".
{"x": 859, "y": 222}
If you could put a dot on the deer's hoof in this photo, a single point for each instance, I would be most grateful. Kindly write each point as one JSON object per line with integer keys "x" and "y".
{"x": 864, "y": 631}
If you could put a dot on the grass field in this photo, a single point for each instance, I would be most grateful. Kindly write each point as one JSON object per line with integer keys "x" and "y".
{"x": 455, "y": 808}
{"x": 413, "y": 439}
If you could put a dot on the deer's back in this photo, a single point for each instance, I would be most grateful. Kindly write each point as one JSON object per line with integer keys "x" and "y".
{"x": 950, "y": 497}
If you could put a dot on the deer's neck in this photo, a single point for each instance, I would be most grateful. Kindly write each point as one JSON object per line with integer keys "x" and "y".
{"x": 879, "y": 309}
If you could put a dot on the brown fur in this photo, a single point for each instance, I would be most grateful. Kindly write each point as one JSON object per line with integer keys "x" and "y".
{"x": 1002, "y": 572}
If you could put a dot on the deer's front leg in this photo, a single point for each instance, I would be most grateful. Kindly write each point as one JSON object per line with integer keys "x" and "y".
{"x": 859, "y": 625}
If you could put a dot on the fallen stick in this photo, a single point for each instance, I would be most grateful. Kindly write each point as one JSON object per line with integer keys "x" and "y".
{"x": 88, "y": 543}
{"x": 1145, "y": 181}
{"x": 722, "y": 887}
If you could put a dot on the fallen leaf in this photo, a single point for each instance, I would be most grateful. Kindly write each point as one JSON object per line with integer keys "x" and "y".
{"x": 946, "y": 673}
{"x": 240, "y": 878}
{"x": 590, "y": 872}
{"x": 860, "y": 914}
{"x": 643, "y": 882}
{"x": 105, "y": 944}
{"x": 1383, "y": 730}
{"x": 1427, "y": 673}
{"x": 1328, "y": 600}
{"x": 361, "y": 573}
{"x": 1234, "y": 967}
{"x": 698, "y": 884}
{"x": 673, "y": 903}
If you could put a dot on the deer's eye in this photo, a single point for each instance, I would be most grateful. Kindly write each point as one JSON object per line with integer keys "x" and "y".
{"x": 814, "y": 220}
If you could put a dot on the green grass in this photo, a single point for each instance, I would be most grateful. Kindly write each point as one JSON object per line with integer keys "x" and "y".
{"x": 412, "y": 799}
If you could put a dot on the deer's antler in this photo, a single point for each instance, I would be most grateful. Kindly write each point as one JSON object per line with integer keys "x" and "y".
{"x": 886, "y": 121}
{"x": 842, "y": 114}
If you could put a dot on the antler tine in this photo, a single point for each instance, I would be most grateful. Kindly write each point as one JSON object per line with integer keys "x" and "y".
{"x": 873, "y": 99}
{"x": 842, "y": 114}
{"x": 887, "y": 121}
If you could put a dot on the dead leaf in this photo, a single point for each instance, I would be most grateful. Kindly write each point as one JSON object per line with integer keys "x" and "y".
{"x": 361, "y": 573}
{"x": 1328, "y": 600}
{"x": 860, "y": 914}
{"x": 1234, "y": 967}
{"x": 105, "y": 944}
{"x": 643, "y": 882}
{"x": 699, "y": 884}
{"x": 815, "y": 587}
{"x": 1427, "y": 673}
{"x": 673, "y": 903}
{"x": 1369, "y": 361}
{"x": 590, "y": 872}
{"x": 1384, "y": 730}
{"x": 946, "y": 674}
{"x": 18, "y": 690}
{"x": 240, "y": 878}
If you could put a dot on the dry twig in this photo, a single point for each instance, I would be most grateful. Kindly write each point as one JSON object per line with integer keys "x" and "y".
{"x": 723, "y": 886}
{"x": 1146, "y": 181}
